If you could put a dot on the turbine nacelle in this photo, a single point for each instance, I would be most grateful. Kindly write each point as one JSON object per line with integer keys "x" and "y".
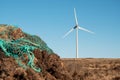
{"x": 75, "y": 27}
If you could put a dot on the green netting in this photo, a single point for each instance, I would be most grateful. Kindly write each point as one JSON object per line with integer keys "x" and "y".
{"x": 18, "y": 49}
{"x": 37, "y": 40}
{"x": 27, "y": 37}
{"x": 21, "y": 46}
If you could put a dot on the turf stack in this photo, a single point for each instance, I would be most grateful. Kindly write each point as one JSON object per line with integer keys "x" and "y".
{"x": 27, "y": 57}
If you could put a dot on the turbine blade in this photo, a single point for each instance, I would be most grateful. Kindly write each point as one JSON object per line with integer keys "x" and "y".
{"x": 76, "y": 21}
{"x": 68, "y": 32}
{"x": 85, "y": 30}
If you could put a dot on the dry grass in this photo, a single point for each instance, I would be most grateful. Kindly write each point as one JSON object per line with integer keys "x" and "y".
{"x": 93, "y": 69}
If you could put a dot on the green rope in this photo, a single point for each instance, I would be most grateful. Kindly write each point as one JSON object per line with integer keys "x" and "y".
{"x": 16, "y": 50}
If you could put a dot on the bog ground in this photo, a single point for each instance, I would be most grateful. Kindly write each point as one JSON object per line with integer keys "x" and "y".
{"x": 93, "y": 69}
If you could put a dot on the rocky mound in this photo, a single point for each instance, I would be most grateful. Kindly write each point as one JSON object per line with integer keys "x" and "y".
{"x": 18, "y": 48}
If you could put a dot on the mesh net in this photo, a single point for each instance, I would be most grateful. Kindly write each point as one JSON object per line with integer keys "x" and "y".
{"x": 21, "y": 45}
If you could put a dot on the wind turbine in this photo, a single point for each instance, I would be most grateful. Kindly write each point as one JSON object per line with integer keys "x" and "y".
{"x": 77, "y": 27}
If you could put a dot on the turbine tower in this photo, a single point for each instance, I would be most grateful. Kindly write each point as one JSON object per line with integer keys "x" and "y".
{"x": 77, "y": 27}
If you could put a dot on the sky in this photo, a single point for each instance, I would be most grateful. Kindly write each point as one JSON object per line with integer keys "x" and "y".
{"x": 51, "y": 19}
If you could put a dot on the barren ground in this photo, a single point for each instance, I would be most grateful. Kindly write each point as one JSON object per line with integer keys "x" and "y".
{"x": 93, "y": 68}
